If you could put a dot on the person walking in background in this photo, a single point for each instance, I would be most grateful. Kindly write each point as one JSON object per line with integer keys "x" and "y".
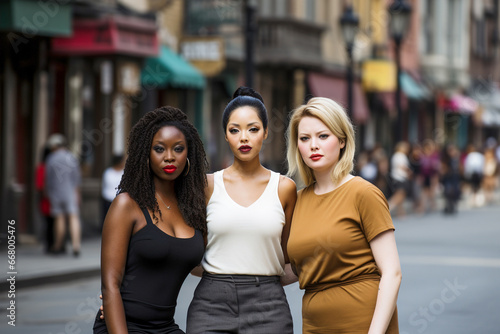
{"x": 415, "y": 159}
{"x": 450, "y": 177}
{"x": 249, "y": 209}
{"x": 153, "y": 233}
{"x": 382, "y": 179}
{"x": 429, "y": 168}
{"x": 110, "y": 181}
{"x": 342, "y": 242}
{"x": 43, "y": 201}
{"x": 473, "y": 173}
{"x": 367, "y": 167}
{"x": 63, "y": 177}
{"x": 400, "y": 177}
{"x": 490, "y": 173}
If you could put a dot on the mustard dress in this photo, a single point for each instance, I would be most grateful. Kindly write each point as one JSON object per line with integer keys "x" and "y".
{"x": 329, "y": 246}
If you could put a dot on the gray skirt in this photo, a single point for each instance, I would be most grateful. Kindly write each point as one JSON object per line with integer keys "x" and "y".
{"x": 239, "y": 304}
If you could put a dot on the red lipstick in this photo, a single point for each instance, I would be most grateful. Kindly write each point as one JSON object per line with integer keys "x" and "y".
{"x": 245, "y": 148}
{"x": 315, "y": 157}
{"x": 169, "y": 169}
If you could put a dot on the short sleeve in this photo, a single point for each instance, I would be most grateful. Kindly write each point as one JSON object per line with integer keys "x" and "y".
{"x": 374, "y": 212}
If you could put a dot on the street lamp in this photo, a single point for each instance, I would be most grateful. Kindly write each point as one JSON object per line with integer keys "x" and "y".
{"x": 349, "y": 23}
{"x": 250, "y": 36}
{"x": 400, "y": 19}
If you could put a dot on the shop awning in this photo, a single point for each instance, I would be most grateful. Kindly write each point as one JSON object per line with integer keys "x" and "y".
{"x": 109, "y": 35}
{"x": 459, "y": 103}
{"x": 31, "y": 17}
{"x": 336, "y": 89}
{"x": 170, "y": 69}
{"x": 412, "y": 89}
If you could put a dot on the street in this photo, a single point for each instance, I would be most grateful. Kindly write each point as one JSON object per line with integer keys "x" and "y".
{"x": 451, "y": 266}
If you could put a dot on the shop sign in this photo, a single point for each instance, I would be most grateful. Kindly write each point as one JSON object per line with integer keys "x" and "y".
{"x": 379, "y": 76}
{"x": 204, "y": 53}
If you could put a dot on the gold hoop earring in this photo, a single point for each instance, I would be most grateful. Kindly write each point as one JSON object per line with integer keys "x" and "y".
{"x": 188, "y": 167}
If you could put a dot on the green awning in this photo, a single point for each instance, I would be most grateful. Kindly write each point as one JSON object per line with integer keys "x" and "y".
{"x": 412, "y": 89}
{"x": 36, "y": 18}
{"x": 170, "y": 69}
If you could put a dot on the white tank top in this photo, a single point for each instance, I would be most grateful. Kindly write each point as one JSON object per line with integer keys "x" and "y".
{"x": 244, "y": 240}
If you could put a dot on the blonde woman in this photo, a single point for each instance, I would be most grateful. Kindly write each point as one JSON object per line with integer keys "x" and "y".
{"x": 341, "y": 241}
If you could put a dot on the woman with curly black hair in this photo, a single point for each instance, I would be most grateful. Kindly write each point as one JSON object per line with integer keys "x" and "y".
{"x": 153, "y": 233}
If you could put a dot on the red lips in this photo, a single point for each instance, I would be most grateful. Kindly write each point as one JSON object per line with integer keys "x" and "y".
{"x": 245, "y": 148}
{"x": 169, "y": 169}
{"x": 315, "y": 157}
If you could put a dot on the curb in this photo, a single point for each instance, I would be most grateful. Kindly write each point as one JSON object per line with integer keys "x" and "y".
{"x": 50, "y": 279}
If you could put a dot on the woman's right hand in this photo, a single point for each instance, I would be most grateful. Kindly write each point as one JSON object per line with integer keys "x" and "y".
{"x": 101, "y": 309}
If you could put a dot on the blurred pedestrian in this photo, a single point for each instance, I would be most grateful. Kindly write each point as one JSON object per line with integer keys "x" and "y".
{"x": 63, "y": 177}
{"x": 415, "y": 158}
{"x": 43, "y": 200}
{"x": 400, "y": 178}
{"x": 429, "y": 168}
{"x": 110, "y": 181}
{"x": 383, "y": 178}
{"x": 450, "y": 177}
{"x": 367, "y": 167}
{"x": 473, "y": 173}
{"x": 490, "y": 175}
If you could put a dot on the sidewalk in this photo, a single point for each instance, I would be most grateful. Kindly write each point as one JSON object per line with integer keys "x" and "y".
{"x": 35, "y": 267}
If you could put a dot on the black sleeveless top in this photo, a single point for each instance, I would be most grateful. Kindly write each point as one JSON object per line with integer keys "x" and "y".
{"x": 157, "y": 265}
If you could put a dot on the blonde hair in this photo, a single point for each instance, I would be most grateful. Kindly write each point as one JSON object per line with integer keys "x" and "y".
{"x": 335, "y": 118}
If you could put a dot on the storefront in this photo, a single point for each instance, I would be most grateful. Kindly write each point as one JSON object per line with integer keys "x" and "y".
{"x": 25, "y": 31}
{"x": 99, "y": 83}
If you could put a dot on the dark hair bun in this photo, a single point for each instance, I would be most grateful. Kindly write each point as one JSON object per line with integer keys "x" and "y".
{"x": 247, "y": 91}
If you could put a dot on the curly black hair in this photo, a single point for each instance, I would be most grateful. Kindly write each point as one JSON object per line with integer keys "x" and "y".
{"x": 137, "y": 178}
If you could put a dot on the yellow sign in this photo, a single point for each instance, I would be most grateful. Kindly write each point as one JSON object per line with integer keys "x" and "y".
{"x": 204, "y": 53}
{"x": 379, "y": 76}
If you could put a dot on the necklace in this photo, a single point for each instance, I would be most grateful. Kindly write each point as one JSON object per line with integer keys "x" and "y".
{"x": 167, "y": 206}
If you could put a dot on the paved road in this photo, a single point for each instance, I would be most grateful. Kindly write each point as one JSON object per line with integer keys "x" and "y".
{"x": 451, "y": 270}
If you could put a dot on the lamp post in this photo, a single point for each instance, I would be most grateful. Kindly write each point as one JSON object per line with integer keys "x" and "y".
{"x": 250, "y": 34}
{"x": 349, "y": 23}
{"x": 400, "y": 13}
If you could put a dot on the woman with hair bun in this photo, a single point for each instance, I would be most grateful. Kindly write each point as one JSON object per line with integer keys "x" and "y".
{"x": 249, "y": 209}
{"x": 341, "y": 243}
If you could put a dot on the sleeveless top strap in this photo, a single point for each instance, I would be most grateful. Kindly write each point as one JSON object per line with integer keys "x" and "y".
{"x": 147, "y": 216}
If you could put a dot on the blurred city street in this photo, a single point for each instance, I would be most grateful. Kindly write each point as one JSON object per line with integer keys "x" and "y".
{"x": 451, "y": 270}
{"x": 418, "y": 79}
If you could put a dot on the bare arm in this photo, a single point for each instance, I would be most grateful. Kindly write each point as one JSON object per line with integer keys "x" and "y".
{"x": 209, "y": 189}
{"x": 386, "y": 256}
{"x": 116, "y": 234}
{"x": 287, "y": 192}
